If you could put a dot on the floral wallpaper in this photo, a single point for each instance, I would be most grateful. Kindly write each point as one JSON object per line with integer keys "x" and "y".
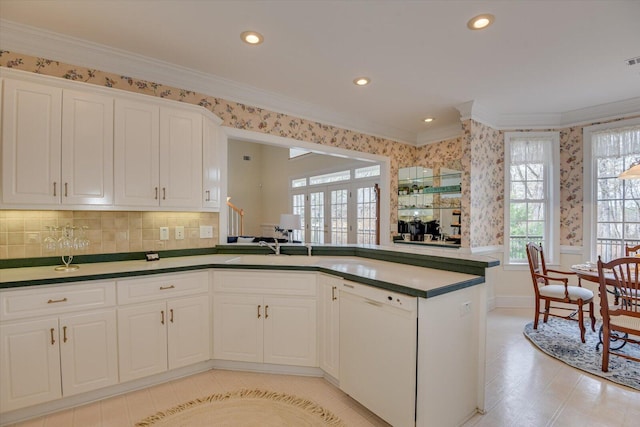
{"x": 571, "y": 194}
{"x": 486, "y": 196}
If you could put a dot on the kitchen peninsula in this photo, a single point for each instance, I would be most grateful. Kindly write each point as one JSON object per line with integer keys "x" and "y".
{"x": 444, "y": 293}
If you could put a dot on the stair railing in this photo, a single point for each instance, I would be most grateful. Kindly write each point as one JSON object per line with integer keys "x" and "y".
{"x": 235, "y": 223}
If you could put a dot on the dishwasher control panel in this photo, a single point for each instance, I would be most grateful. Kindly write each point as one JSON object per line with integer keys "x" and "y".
{"x": 381, "y": 296}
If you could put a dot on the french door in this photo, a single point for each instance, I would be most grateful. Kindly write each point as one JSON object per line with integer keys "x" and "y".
{"x": 343, "y": 213}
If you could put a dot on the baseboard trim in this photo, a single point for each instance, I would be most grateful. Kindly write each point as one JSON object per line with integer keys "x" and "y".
{"x": 514, "y": 302}
{"x": 230, "y": 365}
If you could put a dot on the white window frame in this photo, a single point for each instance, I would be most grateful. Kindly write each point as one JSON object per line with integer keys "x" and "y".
{"x": 552, "y": 204}
{"x": 589, "y": 189}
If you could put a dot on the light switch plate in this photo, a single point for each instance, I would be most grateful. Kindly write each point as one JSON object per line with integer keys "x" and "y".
{"x": 206, "y": 231}
{"x": 179, "y": 232}
{"x": 164, "y": 233}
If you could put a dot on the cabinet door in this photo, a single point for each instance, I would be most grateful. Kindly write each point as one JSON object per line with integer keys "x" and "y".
{"x": 237, "y": 327}
{"x": 290, "y": 331}
{"x": 211, "y": 165}
{"x": 188, "y": 331}
{"x": 88, "y": 351}
{"x": 329, "y": 326}
{"x": 29, "y": 363}
{"x": 31, "y": 135}
{"x": 87, "y": 148}
{"x": 180, "y": 158}
{"x": 136, "y": 153}
{"x": 142, "y": 340}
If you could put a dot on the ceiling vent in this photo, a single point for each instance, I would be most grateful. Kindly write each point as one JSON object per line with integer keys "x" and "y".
{"x": 633, "y": 61}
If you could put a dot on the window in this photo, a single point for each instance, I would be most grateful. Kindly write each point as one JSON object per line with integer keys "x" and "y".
{"x": 366, "y": 215}
{"x": 297, "y": 207}
{"x": 339, "y": 199}
{"x": 297, "y": 183}
{"x": 330, "y": 177}
{"x": 532, "y": 211}
{"x": 612, "y": 205}
{"x": 367, "y": 172}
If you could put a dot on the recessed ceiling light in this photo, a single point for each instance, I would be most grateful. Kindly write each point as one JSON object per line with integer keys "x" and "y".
{"x": 428, "y": 119}
{"x": 251, "y": 37}
{"x": 362, "y": 81}
{"x": 480, "y": 22}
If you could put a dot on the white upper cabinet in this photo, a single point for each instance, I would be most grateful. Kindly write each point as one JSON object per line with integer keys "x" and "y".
{"x": 57, "y": 145}
{"x": 211, "y": 167}
{"x": 87, "y": 148}
{"x": 158, "y": 156}
{"x": 137, "y": 153}
{"x": 74, "y": 145}
{"x": 31, "y": 142}
{"x": 180, "y": 158}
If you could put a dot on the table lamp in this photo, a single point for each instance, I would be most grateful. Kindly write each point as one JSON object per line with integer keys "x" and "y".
{"x": 290, "y": 222}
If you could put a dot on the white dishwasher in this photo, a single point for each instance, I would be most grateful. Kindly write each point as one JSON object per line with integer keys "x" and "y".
{"x": 378, "y": 344}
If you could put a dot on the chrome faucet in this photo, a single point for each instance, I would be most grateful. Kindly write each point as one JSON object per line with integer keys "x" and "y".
{"x": 275, "y": 247}
{"x": 309, "y": 247}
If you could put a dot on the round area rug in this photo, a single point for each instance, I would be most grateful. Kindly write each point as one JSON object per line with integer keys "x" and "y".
{"x": 245, "y": 408}
{"x": 560, "y": 338}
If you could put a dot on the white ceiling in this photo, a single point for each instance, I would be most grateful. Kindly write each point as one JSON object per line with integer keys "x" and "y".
{"x": 541, "y": 63}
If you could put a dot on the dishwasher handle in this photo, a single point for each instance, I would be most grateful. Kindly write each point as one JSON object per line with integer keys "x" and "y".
{"x": 372, "y": 302}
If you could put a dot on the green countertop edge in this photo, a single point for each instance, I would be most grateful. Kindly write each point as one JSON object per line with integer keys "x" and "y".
{"x": 473, "y": 267}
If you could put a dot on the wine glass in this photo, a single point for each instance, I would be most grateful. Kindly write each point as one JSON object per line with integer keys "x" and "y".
{"x": 50, "y": 242}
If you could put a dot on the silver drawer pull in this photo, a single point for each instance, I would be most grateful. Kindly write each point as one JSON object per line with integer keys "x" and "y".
{"x": 163, "y": 288}
{"x": 348, "y": 286}
{"x": 53, "y": 301}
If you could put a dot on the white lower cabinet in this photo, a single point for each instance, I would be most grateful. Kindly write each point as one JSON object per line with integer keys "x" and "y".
{"x": 165, "y": 334}
{"x": 265, "y": 317}
{"x": 30, "y": 367}
{"x": 329, "y": 324}
{"x": 52, "y": 356}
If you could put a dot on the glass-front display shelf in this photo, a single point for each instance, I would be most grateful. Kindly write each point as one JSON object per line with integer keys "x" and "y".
{"x": 429, "y": 198}
{"x": 425, "y": 193}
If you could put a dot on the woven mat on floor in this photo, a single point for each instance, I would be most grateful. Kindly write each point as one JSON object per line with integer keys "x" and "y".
{"x": 245, "y": 408}
{"x": 560, "y": 338}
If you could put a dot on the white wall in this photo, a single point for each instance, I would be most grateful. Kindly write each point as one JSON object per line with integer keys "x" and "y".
{"x": 244, "y": 182}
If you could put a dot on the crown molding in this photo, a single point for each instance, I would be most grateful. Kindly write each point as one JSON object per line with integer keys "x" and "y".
{"x": 439, "y": 134}
{"x": 478, "y": 112}
{"x": 602, "y": 112}
{"x": 47, "y": 44}
{"x": 589, "y": 115}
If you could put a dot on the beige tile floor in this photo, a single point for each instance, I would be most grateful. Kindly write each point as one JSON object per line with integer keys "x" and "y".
{"x": 524, "y": 388}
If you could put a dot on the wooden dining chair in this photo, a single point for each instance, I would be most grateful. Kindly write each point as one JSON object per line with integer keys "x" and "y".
{"x": 550, "y": 289}
{"x": 621, "y": 319}
{"x": 631, "y": 250}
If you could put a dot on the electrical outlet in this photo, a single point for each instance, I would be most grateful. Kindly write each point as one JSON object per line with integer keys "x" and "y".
{"x": 164, "y": 233}
{"x": 179, "y": 232}
{"x": 206, "y": 231}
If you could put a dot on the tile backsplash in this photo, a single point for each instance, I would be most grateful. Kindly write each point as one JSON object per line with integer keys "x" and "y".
{"x": 22, "y": 233}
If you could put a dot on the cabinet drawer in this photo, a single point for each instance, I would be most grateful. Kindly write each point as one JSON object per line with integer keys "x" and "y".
{"x": 161, "y": 286}
{"x": 265, "y": 282}
{"x": 44, "y": 300}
